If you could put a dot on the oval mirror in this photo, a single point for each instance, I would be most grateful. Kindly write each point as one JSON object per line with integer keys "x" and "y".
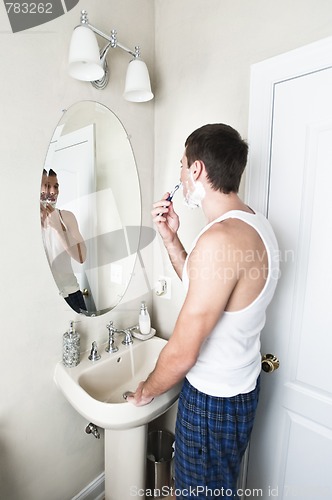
{"x": 90, "y": 208}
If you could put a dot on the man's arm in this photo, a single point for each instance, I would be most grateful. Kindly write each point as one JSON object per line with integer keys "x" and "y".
{"x": 177, "y": 255}
{"x": 167, "y": 224}
{"x": 212, "y": 280}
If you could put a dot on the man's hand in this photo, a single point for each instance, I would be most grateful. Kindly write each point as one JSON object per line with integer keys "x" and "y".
{"x": 53, "y": 218}
{"x": 166, "y": 220}
{"x": 138, "y": 398}
{"x": 43, "y": 215}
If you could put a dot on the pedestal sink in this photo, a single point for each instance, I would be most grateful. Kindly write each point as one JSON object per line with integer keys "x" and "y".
{"x": 95, "y": 389}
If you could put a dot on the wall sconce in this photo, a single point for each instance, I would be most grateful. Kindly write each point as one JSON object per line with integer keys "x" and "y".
{"x": 88, "y": 63}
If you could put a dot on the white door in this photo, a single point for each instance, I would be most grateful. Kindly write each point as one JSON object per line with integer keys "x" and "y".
{"x": 290, "y": 179}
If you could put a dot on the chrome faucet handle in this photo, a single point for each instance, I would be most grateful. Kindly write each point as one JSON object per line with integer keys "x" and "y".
{"x": 128, "y": 337}
{"x": 111, "y": 347}
{"x": 110, "y": 326}
{"x": 127, "y": 333}
{"x": 94, "y": 354}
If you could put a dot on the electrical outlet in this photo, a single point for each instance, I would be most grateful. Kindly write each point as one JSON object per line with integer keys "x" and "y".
{"x": 164, "y": 287}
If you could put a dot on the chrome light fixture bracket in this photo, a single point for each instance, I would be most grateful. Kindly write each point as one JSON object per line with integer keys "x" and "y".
{"x": 138, "y": 88}
{"x": 113, "y": 43}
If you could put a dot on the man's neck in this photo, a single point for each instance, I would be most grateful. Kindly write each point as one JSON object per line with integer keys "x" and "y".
{"x": 216, "y": 204}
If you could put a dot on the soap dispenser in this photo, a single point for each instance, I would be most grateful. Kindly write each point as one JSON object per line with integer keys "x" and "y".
{"x": 71, "y": 347}
{"x": 144, "y": 320}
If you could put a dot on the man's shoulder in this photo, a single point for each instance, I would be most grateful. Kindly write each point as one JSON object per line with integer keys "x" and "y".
{"x": 66, "y": 213}
{"x": 228, "y": 236}
{"x": 226, "y": 231}
{"x": 67, "y": 216}
{"x": 216, "y": 238}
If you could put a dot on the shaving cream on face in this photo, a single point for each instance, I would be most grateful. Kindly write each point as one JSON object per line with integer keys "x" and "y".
{"x": 195, "y": 192}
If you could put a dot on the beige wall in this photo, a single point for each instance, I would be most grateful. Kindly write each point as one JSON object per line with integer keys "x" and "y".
{"x": 204, "y": 50}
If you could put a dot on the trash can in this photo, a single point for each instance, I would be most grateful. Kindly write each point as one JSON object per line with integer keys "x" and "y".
{"x": 160, "y": 453}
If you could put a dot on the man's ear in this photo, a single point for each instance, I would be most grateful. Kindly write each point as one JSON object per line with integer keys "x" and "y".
{"x": 197, "y": 169}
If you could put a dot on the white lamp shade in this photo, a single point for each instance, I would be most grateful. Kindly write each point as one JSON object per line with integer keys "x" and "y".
{"x": 137, "y": 87}
{"x": 84, "y": 58}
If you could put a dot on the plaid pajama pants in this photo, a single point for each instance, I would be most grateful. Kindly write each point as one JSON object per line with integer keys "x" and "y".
{"x": 211, "y": 436}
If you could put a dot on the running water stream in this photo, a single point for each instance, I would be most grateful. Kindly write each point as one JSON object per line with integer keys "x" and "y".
{"x": 132, "y": 362}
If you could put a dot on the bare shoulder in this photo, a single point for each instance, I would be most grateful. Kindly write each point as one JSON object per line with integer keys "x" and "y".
{"x": 230, "y": 231}
{"x": 234, "y": 231}
{"x": 215, "y": 245}
{"x": 67, "y": 216}
{"x": 234, "y": 239}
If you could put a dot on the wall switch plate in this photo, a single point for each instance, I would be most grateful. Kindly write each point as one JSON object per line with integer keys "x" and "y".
{"x": 116, "y": 274}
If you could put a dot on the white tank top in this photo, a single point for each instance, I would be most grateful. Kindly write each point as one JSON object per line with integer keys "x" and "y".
{"x": 229, "y": 362}
{"x": 60, "y": 263}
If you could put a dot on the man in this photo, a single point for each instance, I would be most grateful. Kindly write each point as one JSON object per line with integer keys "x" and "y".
{"x": 62, "y": 240}
{"x": 230, "y": 275}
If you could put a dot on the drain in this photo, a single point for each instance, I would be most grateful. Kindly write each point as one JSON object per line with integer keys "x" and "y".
{"x": 126, "y": 394}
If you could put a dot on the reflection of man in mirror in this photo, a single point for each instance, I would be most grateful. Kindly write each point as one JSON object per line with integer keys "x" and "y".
{"x": 63, "y": 241}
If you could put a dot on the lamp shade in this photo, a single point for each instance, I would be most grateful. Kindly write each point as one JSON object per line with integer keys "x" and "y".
{"x": 84, "y": 58}
{"x": 137, "y": 87}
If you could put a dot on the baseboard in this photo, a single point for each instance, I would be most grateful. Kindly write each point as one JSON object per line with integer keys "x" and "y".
{"x": 93, "y": 491}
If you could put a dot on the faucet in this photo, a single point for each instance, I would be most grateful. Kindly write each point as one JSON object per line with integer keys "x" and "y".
{"x": 111, "y": 347}
{"x": 111, "y": 331}
{"x": 94, "y": 354}
{"x": 128, "y": 337}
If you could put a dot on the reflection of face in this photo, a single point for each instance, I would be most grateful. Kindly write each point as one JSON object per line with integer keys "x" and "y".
{"x": 44, "y": 188}
{"x": 53, "y": 188}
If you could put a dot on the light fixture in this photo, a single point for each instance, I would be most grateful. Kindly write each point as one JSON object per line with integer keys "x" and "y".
{"x": 88, "y": 63}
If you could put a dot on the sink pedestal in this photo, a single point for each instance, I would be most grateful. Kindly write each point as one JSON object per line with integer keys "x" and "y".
{"x": 125, "y": 463}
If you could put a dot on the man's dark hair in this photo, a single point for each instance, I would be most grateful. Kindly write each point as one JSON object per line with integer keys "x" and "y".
{"x": 224, "y": 153}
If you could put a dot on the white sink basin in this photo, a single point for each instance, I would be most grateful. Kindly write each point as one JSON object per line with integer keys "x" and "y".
{"x": 95, "y": 388}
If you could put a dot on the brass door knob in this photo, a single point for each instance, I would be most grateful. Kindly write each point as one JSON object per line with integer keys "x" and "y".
{"x": 85, "y": 292}
{"x": 270, "y": 363}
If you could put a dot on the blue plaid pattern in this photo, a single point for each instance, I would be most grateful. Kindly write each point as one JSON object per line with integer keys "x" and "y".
{"x": 211, "y": 436}
{"x": 76, "y": 301}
